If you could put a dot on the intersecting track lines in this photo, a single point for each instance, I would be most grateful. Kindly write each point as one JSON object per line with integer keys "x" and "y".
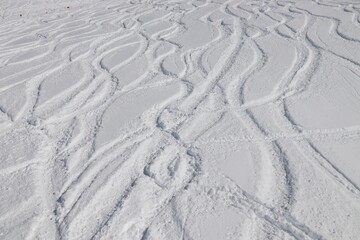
{"x": 121, "y": 117}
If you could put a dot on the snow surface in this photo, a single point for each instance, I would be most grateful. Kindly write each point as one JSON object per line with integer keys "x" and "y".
{"x": 179, "y": 119}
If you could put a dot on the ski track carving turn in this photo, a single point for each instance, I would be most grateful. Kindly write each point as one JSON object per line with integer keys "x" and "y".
{"x": 168, "y": 119}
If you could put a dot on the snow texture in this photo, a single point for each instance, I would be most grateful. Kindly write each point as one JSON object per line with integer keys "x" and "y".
{"x": 179, "y": 119}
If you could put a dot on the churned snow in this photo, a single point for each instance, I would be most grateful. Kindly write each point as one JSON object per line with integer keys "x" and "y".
{"x": 179, "y": 119}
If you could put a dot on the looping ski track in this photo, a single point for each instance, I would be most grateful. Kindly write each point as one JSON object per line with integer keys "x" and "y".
{"x": 118, "y": 117}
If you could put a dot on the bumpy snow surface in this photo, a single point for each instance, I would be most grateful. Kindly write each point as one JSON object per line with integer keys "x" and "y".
{"x": 179, "y": 119}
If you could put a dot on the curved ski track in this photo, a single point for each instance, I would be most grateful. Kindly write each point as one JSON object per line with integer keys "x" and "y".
{"x": 110, "y": 109}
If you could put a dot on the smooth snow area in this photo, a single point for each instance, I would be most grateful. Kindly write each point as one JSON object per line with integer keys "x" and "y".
{"x": 179, "y": 119}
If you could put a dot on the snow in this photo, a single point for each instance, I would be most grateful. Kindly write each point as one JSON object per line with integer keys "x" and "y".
{"x": 179, "y": 119}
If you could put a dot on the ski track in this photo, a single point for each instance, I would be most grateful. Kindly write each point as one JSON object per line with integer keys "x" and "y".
{"x": 109, "y": 111}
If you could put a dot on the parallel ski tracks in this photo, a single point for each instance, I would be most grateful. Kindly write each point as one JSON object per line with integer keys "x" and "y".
{"x": 160, "y": 151}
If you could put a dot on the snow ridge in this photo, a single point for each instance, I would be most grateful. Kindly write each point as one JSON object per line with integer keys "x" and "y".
{"x": 168, "y": 119}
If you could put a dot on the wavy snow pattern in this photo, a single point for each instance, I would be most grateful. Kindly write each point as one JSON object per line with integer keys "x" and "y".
{"x": 118, "y": 117}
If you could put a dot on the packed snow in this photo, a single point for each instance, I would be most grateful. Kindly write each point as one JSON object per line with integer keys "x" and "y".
{"x": 179, "y": 119}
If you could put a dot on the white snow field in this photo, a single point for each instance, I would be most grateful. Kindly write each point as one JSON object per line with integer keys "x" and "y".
{"x": 179, "y": 119}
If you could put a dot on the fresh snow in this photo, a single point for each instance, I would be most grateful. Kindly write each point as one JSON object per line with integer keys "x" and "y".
{"x": 179, "y": 119}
